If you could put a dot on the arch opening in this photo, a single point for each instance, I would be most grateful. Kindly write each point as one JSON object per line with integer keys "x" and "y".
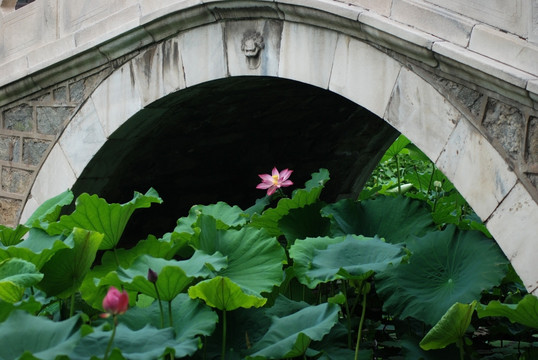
{"x": 213, "y": 139}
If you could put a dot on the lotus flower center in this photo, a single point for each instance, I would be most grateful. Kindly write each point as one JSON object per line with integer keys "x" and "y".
{"x": 275, "y": 179}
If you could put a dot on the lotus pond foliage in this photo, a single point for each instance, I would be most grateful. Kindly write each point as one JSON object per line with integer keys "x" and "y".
{"x": 392, "y": 275}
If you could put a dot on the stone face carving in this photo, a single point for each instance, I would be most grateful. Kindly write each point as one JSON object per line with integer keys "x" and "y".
{"x": 251, "y": 45}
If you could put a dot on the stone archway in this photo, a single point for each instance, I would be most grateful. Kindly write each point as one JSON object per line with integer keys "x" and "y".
{"x": 412, "y": 100}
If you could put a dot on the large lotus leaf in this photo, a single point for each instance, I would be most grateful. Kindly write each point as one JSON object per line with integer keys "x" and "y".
{"x": 300, "y": 198}
{"x": 191, "y": 317}
{"x": 304, "y": 222}
{"x": 50, "y": 210}
{"x": 15, "y": 276}
{"x": 444, "y": 269}
{"x": 291, "y": 335}
{"x": 223, "y": 294}
{"x": 397, "y": 147}
{"x": 355, "y": 256}
{"x": 65, "y": 270}
{"x": 23, "y": 333}
{"x": 525, "y": 312}
{"x": 255, "y": 258}
{"x": 9, "y": 236}
{"x": 94, "y": 213}
{"x": 37, "y": 248}
{"x": 173, "y": 276}
{"x": 302, "y": 253}
{"x": 396, "y": 219}
{"x": 226, "y": 216}
{"x": 30, "y": 305}
{"x": 143, "y": 344}
{"x": 451, "y": 328}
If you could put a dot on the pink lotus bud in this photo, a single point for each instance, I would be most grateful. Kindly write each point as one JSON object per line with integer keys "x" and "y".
{"x": 116, "y": 302}
{"x": 152, "y": 276}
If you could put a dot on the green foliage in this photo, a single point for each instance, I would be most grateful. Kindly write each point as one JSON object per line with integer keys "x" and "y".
{"x": 293, "y": 277}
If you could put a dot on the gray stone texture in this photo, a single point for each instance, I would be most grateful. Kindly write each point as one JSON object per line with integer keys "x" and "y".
{"x": 506, "y": 124}
{"x": 471, "y": 99}
{"x": 50, "y": 120}
{"x": 10, "y": 148}
{"x": 15, "y": 180}
{"x": 33, "y": 151}
{"x": 532, "y": 142}
{"x": 9, "y": 211}
{"x": 60, "y": 94}
{"x": 19, "y": 118}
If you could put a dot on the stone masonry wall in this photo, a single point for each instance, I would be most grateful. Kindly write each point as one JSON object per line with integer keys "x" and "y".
{"x": 29, "y": 128}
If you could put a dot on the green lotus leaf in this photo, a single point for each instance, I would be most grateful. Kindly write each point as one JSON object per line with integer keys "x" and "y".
{"x": 190, "y": 317}
{"x": 255, "y": 258}
{"x": 443, "y": 269}
{"x": 302, "y": 253}
{"x": 30, "y": 305}
{"x": 397, "y": 147}
{"x": 396, "y": 219}
{"x": 300, "y": 198}
{"x": 37, "y": 248}
{"x": 290, "y": 336}
{"x": 525, "y": 312}
{"x": 304, "y": 222}
{"x": 37, "y": 335}
{"x": 143, "y": 344}
{"x": 9, "y": 236}
{"x": 451, "y": 328}
{"x": 173, "y": 276}
{"x": 94, "y": 213}
{"x": 15, "y": 276}
{"x": 50, "y": 210}
{"x": 223, "y": 294}
{"x": 66, "y": 269}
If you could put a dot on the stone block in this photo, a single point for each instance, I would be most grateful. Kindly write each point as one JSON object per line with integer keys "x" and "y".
{"x": 10, "y": 148}
{"x": 19, "y": 118}
{"x": 516, "y": 221}
{"x": 506, "y": 124}
{"x": 33, "y": 150}
{"x": 532, "y": 142}
{"x": 476, "y": 169}
{"x": 15, "y": 180}
{"x": 158, "y": 71}
{"x": 82, "y": 138}
{"x": 419, "y": 112}
{"x": 111, "y": 111}
{"x": 264, "y": 36}
{"x": 47, "y": 54}
{"x": 328, "y": 6}
{"x": 511, "y": 16}
{"x": 60, "y": 94}
{"x": 55, "y": 176}
{"x": 433, "y": 20}
{"x": 9, "y": 211}
{"x": 203, "y": 61}
{"x": 307, "y": 54}
{"x": 469, "y": 98}
{"x": 363, "y": 74}
{"x": 50, "y": 119}
{"x": 506, "y": 48}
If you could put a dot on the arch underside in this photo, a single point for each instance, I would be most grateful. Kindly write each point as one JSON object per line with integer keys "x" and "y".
{"x": 159, "y": 105}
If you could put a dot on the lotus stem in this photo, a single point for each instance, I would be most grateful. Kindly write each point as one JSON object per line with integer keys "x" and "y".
{"x": 160, "y": 304}
{"x": 72, "y": 306}
{"x": 115, "y": 323}
{"x": 170, "y": 317}
{"x": 348, "y": 315}
{"x": 360, "y": 326}
{"x": 398, "y": 174}
{"x": 223, "y": 352}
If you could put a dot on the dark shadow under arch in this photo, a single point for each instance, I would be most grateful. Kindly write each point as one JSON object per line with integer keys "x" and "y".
{"x": 211, "y": 140}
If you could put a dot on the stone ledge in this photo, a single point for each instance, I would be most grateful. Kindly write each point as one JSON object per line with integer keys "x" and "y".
{"x": 505, "y": 48}
{"x": 433, "y": 20}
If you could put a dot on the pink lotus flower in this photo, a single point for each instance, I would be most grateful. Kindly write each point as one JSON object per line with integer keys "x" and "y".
{"x": 275, "y": 181}
{"x": 115, "y": 302}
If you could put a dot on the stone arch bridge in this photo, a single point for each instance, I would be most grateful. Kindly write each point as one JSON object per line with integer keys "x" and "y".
{"x": 189, "y": 96}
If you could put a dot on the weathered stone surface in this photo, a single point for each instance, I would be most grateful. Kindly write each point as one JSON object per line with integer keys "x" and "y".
{"x": 470, "y": 98}
{"x": 506, "y": 124}
{"x": 532, "y": 141}
{"x": 60, "y": 94}
{"x": 76, "y": 91}
{"x": 50, "y": 119}
{"x": 19, "y": 118}
{"x": 9, "y": 211}
{"x": 15, "y": 180}
{"x": 10, "y": 148}
{"x": 34, "y": 150}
